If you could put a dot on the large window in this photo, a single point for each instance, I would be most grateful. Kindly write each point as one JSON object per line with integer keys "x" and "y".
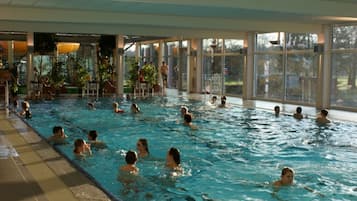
{"x": 223, "y": 64}
{"x": 344, "y": 66}
{"x": 286, "y": 67}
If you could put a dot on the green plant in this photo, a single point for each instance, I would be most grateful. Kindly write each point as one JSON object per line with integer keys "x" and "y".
{"x": 150, "y": 74}
{"x": 81, "y": 74}
{"x": 133, "y": 73}
{"x": 57, "y": 77}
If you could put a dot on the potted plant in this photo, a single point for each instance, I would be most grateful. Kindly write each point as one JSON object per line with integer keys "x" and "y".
{"x": 150, "y": 74}
{"x": 133, "y": 74}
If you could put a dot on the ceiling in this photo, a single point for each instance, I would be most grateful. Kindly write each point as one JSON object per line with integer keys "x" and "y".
{"x": 174, "y": 18}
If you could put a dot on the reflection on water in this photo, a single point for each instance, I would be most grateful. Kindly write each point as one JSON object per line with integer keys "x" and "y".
{"x": 233, "y": 156}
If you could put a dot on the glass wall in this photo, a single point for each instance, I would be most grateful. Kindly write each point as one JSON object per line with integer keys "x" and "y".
{"x": 344, "y": 66}
{"x": 286, "y": 67}
{"x": 223, "y": 64}
{"x": 233, "y": 69}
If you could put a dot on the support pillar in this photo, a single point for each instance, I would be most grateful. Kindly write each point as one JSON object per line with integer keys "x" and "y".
{"x": 180, "y": 66}
{"x": 189, "y": 67}
{"x": 29, "y": 69}
{"x": 10, "y": 54}
{"x": 248, "y": 70}
{"x": 324, "y": 67}
{"x": 119, "y": 54}
{"x": 199, "y": 65}
{"x": 7, "y": 94}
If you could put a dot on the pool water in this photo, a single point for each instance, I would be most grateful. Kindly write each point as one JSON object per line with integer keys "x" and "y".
{"x": 234, "y": 155}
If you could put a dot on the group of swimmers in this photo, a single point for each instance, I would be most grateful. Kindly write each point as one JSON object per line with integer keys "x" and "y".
{"x": 173, "y": 158}
{"x": 321, "y": 117}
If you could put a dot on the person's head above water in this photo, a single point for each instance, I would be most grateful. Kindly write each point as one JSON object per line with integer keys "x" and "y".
{"x": 131, "y": 157}
{"x": 277, "y": 110}
{"x": 184, "y": 110}
{"x": 135, "y": 108}
{"x": 324, "y": 112}
{"x": 92, "y": 135}
{"x": 214, "y": 99}
{"x": 287, "y": 176}
{"x": 173, "y": 156}
{"x": 142, "y": 147}
{"x": 298, "y": 110}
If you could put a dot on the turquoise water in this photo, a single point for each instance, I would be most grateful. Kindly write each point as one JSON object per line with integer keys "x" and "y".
{"x": 234, "y": 155}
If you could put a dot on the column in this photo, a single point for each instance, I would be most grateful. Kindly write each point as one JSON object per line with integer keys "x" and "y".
{"x": 199, "y": 65}
{"x": 189, "y": 66}
{"x": 29, "y": 69}
{"x": 248, "y": 71}
{"x": 7, "y": 94}
{"x": 179, "y": 64}
{"x": 324, "y": 67}
{"x": 10, "y": 55}
{"x": 119, "y": 54}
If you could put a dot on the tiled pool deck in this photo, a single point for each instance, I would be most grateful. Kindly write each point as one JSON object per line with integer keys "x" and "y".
{"x": 30, "y": 169}
{"x": 37, "y": 172}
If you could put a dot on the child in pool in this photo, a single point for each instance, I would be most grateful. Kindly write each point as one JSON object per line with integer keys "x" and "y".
{"x": 173, "y": 161}
{"x": 81, "y": 148}
{"x": 92, "y": 140}
{"x": 58, "y": 135}
{"x": 130, "y": 158}
{"x": 116, "y": 108}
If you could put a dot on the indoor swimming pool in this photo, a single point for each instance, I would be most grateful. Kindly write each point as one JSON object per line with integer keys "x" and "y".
{"x": 235, "y": 154}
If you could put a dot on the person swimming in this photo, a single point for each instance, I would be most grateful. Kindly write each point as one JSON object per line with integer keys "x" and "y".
{"x": 183, "y": 111}
{"x": 173, "y": 161}
{"x": 92, "y": 140}
{"x": 298, "y": 114}
{"x": 213, "y": 100}
{"x": 135, "y": 108}
{"x": 116, "y": 108}
{"x": 142, "y": 147}
{"x": 58, "y": 136}
{"x": 322, "y": 117}
{"x": 277, "y": 110}
{"x": 91, "y": 105}
{"x": 81, "y": 148}
{"x": 188, "y": 121}
{"x": 223, "y": 102}
{"x": 286, "y": 178}
{"x": 130, "y": 158}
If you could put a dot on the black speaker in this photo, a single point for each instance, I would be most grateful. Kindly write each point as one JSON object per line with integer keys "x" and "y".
{"x": 44, "y": 43}
{"x": 107, "y": 45}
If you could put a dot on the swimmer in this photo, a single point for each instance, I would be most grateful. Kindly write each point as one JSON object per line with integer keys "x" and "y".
{"x": 183, "y": 111}
{"x": 213, "y": 100}
{"x": 286, "y": 178}
{"x": 277, "y": 110}
{"x": 142, "y": 147}
{"x": 298, "y": 114}
{"x": 116, "y": 108}
{"x": 92, "y": 140}
{"x": 91, "y": 105}
{"x": 130, "y": 158}
{"x": 322, "y": 117}
{"x": 188, "y": 121}
{"x": 81, "y": 148}
{"x": 135, "y": 108}
{"x": 58, "y": 135}
{"x": 223, "y": 102}
{"x": 173, "y": 160}
{"x": 25, "y": 105}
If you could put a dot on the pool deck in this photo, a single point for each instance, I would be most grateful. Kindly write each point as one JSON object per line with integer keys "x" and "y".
{"x": 30, "y": 169}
